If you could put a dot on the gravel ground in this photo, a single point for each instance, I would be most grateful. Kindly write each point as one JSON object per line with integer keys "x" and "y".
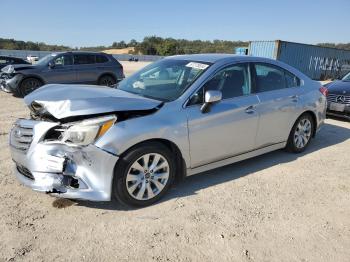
{"x": 276, "y": 207}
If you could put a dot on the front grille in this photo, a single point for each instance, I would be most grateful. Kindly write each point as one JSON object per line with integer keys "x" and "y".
{"x": 22, "y": 135}
{"x": 25, "y": 172}
{"x": 341, "y": 99}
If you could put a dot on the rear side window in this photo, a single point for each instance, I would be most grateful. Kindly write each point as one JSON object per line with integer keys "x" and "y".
{"x": 291, "y": 80}
{"x": 83, "y": 59}
{"x": 269, "y": 78}
{"x": 101, "y": 59}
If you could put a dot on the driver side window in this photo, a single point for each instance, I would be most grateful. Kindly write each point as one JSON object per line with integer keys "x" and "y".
{"x": 63, "y": 60}
{"x": 232, "y": 81}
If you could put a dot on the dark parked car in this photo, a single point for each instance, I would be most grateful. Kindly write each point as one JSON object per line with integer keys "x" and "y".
{"x": 8, "y": 60}
{"x": 339, "y": 98}
{"x": 63, "y": 68}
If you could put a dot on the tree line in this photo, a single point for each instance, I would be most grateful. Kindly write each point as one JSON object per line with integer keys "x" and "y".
{"x": 150, "y": 45}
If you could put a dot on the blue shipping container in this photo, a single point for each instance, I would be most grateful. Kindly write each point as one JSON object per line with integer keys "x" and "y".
{"x": 319, "y": 63}
{"x": 241, "y": 50}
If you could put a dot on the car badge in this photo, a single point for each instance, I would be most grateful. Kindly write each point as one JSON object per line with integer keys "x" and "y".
{"x": 340, "y": 99}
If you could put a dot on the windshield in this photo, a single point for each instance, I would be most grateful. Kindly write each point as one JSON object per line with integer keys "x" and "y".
{"x": 44, "y": 60}
{"x": 347, "y": 77}
{"x": 164, "y": 80}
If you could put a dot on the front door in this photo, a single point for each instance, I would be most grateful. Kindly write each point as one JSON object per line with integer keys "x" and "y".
{"x": 61, "y": 70}
{"x": 229, "y": 128}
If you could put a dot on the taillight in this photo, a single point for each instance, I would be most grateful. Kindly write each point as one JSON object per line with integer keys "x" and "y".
{"x": 324, "y": 90}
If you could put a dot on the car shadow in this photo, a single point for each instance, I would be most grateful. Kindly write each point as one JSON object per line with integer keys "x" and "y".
{"x": 330, "y": 135}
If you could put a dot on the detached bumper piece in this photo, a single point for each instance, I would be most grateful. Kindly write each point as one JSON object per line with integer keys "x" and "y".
{"x": 59, "y": 169}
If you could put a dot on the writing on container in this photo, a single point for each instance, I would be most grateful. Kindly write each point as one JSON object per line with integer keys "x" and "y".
{"x": 327, "y": 64}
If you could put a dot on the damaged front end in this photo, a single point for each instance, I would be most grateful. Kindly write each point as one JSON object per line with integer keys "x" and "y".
{"x": 55, "y": 151}
{"x": 58, "y": 166}
{"x": 10, "y": 78}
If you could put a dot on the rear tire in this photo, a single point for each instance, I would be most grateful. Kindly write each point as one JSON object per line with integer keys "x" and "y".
{"x": 28, "y": 85}
{"x": 301, "y": 134}
{"x": 144, "y": 175}
{"x": 107, "y": 80}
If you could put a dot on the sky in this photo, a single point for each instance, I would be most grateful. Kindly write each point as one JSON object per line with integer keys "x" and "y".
{"x": 79, "y": 23}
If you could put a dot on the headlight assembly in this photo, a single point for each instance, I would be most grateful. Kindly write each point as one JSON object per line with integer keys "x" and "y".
{"x": 85, "y": 132}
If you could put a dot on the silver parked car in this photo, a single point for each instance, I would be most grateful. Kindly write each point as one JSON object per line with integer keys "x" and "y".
{"x": 177, "y": 117}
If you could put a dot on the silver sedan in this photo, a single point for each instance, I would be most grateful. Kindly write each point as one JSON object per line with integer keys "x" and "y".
{"x": 177, "y": 117}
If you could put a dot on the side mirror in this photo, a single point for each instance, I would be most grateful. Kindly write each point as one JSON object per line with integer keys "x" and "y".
{"x": 51, "y": 65}
{"x": 211, "y": 96}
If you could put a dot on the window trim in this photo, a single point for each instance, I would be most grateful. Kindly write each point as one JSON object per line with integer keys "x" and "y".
{"x": 250, "y": 80}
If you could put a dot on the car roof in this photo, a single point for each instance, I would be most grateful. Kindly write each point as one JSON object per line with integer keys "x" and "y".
{"x": 78, "y": 52}
{"x": 232, "y": 58}
{"x": 214, "y": 58}
{"x": 209, "y": 58}
{"x": 86, "y": 52}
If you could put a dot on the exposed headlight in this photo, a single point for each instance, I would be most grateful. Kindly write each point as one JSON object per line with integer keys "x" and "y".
{"x": 87, "y": 131}
{"x": 8, "y": 69}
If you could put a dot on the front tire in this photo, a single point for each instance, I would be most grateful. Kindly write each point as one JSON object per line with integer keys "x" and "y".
{"x": 144, "y": 175}
{"x": 301, "y": 134}
{"x": 28, "y": 85}
{"x": 107, "y": 80}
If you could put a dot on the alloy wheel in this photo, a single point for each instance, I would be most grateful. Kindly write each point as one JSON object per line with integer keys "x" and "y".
{"x": 147, "y": 176}
{"x": 107, "y": 81}
{"x": 302, "y": 133}
{"x": 30, "y": 85}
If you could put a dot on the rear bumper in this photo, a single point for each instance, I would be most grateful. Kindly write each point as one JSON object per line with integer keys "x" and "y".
{"x": 62, "y": 170}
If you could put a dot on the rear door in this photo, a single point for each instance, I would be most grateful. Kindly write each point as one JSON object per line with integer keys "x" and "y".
{"x": 85, "y": 67}
{"x": 278, "y": 93}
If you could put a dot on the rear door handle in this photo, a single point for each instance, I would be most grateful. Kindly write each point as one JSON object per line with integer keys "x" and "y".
{"x": 294, "y": 98}
{"x": 250, "y": 110}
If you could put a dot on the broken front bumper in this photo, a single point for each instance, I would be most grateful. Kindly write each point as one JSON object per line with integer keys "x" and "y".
{"x": 59, "y": 169}
{"x": 10, "y": 84}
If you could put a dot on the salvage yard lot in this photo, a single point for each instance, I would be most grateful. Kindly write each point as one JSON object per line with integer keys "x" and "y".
{"x": 276, "y": 207}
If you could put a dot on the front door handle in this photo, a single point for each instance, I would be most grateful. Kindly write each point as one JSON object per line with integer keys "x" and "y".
{"x": 250, "y": 110}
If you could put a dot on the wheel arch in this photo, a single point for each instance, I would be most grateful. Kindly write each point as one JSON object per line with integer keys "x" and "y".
{"x": 314, "y": 120}
{"x": 32, "y": 76}
{"x": 106, "y": 74}
{"x": 181, "y": 168}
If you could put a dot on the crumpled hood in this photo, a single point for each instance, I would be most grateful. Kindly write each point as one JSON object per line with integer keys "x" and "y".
{"x": 18, "y": 67}
{"x": 62, "y": 101}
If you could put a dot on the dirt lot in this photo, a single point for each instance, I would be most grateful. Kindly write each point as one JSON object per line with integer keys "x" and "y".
{"x": 131, "y": 67}
{"x": 276, "y": 207}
